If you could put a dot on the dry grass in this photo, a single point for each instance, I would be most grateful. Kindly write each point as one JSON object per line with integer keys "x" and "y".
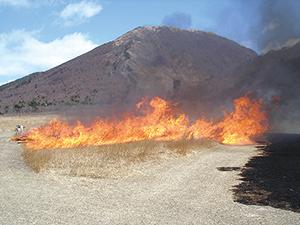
{"x": 8, "y": 123}
{"x": 110, "y": 161}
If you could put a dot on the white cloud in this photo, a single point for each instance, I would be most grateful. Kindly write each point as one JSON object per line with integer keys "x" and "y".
{"x": 15, "y": 2}
{"x": 31, "y": 3}
{"x": 77, "y": 13}
{"x": 21, "y": 53}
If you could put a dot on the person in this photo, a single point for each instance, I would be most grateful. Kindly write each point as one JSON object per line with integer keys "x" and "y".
{"x": 20, "y": 128}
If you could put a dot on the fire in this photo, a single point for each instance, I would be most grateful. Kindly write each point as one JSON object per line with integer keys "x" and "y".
{"x": 247, "y": 120}
{"x": 155, "y": 119}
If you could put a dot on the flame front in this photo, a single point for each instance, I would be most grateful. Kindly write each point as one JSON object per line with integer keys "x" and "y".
{"x": 157, "y": 120}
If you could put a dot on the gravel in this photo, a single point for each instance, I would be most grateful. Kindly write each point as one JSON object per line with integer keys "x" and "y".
{"x": 186, "y": 190}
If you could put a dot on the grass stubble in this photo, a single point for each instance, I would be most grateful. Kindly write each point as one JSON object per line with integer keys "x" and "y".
{"x": 110, "y": 161}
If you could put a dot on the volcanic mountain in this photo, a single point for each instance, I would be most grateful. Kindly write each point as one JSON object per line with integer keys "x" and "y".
{"x": 181, "y": 65}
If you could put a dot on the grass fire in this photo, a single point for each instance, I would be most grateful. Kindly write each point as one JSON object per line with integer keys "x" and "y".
{"x": 153, "y": 119}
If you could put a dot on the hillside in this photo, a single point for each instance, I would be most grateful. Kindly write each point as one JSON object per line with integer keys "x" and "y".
{"x": 276, "y": 73}
{"x": 158, "y": 61}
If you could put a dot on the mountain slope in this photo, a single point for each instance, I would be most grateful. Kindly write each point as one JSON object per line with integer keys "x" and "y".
{"x": 275, "y": 74}
{"x": 157, "y": 61}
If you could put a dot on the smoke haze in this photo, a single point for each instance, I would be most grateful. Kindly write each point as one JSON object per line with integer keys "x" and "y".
{"x": 178, "y": 19}
{"x": 261, "y": 25}
{"x": 278, "y": 24}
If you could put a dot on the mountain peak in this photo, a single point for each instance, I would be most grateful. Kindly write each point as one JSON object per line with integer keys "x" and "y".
{"x": 162, "y": 61}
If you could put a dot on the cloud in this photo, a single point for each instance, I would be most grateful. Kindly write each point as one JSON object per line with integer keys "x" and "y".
{"x": 33, "y": 4}
{"x": 15, "y": 2}
{"x": 178, "y": 19}
{"x": 21, "y": 53}
{"x": 77, "y": 13}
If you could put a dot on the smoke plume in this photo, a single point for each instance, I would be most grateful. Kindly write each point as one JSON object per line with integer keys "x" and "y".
{"x": 178, "y": 19}
{"x": 278, "y": 25}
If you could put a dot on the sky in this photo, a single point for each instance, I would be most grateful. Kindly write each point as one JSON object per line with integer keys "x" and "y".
{"x": 36, "y": 35}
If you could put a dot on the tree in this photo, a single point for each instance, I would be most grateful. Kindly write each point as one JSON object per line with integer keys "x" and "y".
{"x": 18, "y": 107}
{"x": 6, "y": 108}
{"x": 34, "y": 105}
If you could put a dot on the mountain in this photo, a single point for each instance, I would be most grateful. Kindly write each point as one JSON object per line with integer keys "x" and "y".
{"x": 275, "y": 74}
{"x": 182, "y": 65}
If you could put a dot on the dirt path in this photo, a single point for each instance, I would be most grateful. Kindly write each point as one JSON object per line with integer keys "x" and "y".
{"x": 187, "y": 190}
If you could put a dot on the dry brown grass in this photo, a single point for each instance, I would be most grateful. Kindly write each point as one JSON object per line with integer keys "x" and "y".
{"x": 8, "y": 123}
{"x": 110, "y": 161}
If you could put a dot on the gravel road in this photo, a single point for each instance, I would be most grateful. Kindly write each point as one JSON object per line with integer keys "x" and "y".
{"x": 186, "y": 190}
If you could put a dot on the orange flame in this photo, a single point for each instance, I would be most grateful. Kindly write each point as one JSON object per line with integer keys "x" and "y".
{"x": 158, "y": 120}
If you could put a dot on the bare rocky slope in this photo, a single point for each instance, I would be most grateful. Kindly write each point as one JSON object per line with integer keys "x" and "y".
{"x": 160, "y": 61}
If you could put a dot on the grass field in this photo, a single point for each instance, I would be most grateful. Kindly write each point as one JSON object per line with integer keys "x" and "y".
{"x": 109, "y": 161}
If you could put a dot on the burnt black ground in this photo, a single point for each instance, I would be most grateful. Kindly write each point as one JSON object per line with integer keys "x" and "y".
{"x": 273, "y": 177}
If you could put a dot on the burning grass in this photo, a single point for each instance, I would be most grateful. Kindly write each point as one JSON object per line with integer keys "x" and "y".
{"x": 154, "y": 132}
{"x": 154, "y": 119}
{"x": 110, "y": 161}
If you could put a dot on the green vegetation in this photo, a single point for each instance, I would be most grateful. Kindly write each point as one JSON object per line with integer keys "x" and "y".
{"x": 126, "y": 53}
{"x": 75, "y": 98}
{"x": 33, "y": 104}
{"x": 18, "y": 107}
{"x": 46, "y": 103}
{"x": 115, "y": 65}
{"x": 23, "y": 82}
{"x": 6, "y": 108}
{"x": 86, "y": 101}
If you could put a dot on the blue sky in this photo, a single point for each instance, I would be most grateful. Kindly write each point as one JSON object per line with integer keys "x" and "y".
{"x": 36, "y": 35}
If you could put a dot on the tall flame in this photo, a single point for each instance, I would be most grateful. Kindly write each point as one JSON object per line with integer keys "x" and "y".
{"x": 157, "y": 120}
